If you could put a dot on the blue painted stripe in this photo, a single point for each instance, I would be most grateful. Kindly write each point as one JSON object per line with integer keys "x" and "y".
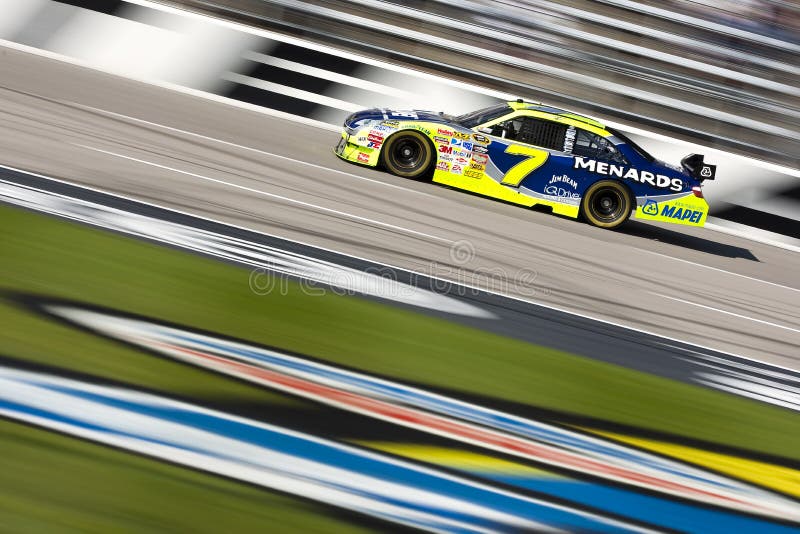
{"x": 58, "y": 403}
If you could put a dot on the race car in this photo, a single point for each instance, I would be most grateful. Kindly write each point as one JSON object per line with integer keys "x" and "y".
{"x": 532, "y": 154}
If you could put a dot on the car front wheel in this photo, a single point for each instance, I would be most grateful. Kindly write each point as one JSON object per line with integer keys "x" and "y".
{"x": 407, "y": 154}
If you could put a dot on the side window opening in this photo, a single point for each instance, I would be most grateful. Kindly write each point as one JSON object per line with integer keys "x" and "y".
{"x": 593, "y": 146}
{"x": 535, "y": 132}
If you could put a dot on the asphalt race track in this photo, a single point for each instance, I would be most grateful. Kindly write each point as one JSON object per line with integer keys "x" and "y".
{"x": 279, "y": 176}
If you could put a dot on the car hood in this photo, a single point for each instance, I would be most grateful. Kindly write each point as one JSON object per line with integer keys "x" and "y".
{"x": 382, "y": 114}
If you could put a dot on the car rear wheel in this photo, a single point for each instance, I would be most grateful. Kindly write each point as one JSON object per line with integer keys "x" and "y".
{"x": 606, "y": 204}
{"x": 407, "y": 154}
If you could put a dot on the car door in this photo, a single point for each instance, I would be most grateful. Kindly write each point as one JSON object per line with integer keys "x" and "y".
{"x": 526, "y": 152}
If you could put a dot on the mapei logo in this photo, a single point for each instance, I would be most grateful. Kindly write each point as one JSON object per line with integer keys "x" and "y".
{"x": 650, "y": 208}
{"x": 681, "y": 214}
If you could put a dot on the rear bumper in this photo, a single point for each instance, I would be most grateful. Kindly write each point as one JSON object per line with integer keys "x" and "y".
{"x": 687, "y": 210}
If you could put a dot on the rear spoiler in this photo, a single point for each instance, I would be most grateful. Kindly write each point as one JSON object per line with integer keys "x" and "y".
{"x": 694, "y": 165}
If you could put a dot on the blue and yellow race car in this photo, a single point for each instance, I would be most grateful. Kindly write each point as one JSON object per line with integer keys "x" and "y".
{"x": 534, "y": 155}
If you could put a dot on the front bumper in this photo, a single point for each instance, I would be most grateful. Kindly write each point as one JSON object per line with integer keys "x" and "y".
{"x": 350, "y": 150}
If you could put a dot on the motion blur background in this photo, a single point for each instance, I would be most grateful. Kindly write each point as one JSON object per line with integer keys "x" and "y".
{"x": 167, "y": 186}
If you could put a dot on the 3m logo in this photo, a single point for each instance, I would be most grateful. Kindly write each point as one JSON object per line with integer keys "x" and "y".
{"x": 446, "y": 149}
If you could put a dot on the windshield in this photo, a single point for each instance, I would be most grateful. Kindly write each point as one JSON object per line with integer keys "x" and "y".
{"x": 475, "y": 118}
{"x": 627, "y": 140}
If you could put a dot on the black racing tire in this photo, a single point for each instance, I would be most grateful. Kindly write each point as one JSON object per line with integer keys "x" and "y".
{"x": 606, "y": 204}
{"x": 408, "y": 154}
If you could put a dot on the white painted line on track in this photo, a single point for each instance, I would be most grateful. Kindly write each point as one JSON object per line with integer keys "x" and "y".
{"x": 273, "y": 195}
{"x": 248, "y": 148}
{"x": 768, "y": 323}
{"x": 433, "y": 277}
{"x": 721, "y": 270}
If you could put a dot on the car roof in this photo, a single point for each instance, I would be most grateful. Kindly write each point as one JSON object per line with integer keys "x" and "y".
{"x": 557, "y": 112}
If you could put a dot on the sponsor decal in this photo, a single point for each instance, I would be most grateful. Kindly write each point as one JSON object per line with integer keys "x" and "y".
{"x": 569, "y": 140}
{"x": 479, "y": 149}
{"x": 473, "y": 174}
{"x": 361, "y": 139}
{"x": 706, "y": 172}
{"x": 650, "y": 208}
{"x": 643, "y": 177}
{"x": 445, "y": 157}
{"x": 441, "y": 140}
{"x": 477, "y": 166}
{"x": 376, "y": 136}
{"x": 461, "y": 135}
{"x": 375, "y": 141}
{"x": 390, "y": 124}
{"x": 445, "y": 149}
{"x": 467, "y": 145}
{"x": 442, "y": 166}
{"x": 462, "y": 161}
{"x": 363, "y": 158}
{"x": 560, "y": 192}
{"x": 405, "y": 114}
{"x": 563, "y": 179}
{"x": 481, "y": 159}
{"x": 457, "y": 169}
{"x": 455, "y": 142}
{"x": 445, "y": 132}
{"x": 478, "y": 138}
{"x": 681, "y": 214}
{"x": 463, "y": 153}
{"x": 380, "y": 128}
{"x": 421, "y": 129}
